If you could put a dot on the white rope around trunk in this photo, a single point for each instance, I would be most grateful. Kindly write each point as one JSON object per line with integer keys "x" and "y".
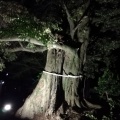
{"x": 70, "y": 76}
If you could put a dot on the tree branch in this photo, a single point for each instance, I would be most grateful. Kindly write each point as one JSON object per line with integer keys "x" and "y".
{"x": 31, "y": 40}
{"x": 34, "y": 50}
{"x": 82, "y": 23}
{"x": 85, "y": 11}
{"x": 21, "y": 44}
{"x": 73, "y": 28}
{"x": 83, "y": 17}
{"x": 18, "y": 49}
{"x": 71, "y": 23}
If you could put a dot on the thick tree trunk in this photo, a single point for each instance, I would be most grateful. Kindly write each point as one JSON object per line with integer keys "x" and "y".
{"x": 54, "y": 93}
{"x": 59, "y": 87}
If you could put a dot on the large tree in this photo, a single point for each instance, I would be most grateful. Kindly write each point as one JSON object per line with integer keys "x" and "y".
{"x": 65, "y": 37}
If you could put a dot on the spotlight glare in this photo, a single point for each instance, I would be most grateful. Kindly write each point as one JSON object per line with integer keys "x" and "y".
{"x": 6, "y": 74}
{"x": 7, "y": 107}
{"x": 3, "y": 82}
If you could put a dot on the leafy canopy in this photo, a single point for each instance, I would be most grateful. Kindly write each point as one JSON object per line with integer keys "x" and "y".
{"x": 19, "y": 23}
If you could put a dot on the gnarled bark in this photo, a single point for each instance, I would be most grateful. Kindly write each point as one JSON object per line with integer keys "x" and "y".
{"x": 53, "y": 93}
{"x": 58, "y": 90}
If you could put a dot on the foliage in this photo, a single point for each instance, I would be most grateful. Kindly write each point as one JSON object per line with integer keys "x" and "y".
{"x": 16, "y": 21}
{"x": 20, "y": 23}
{"x": 108, "y": 89}
{"x": 103, "y": 53}
{"x": 23, "y": 23}
{"x": 108, "y": 12}
{"x": 109, "y": 83}
{"x": 104, "y": 36}
{"x": 2, "y": 65}
{"x": 89, "y": 114}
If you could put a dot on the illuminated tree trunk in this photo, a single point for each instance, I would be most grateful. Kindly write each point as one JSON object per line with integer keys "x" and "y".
{"x": 59, "y": 88}
{"x": 56, "y": 91}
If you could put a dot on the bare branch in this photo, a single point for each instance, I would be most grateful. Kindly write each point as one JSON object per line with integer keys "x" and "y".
{"x": 82, "y": 23}
{"x": 50, "y": 46}
{"x": 73, "y": 28}
{"x": 71, "y": 23}
{"x": 34, "y": 50}
{"x": 18, "y": 49}
{"x": 83, "y": 19}
{"x": 31, "y": 40}
{"x": 85, "y": 11}
{"x": 21, "y": 44}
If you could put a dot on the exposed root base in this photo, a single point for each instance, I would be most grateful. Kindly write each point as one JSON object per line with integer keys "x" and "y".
{"x": 69, "y": 115}
{"x": 72, "y": 116}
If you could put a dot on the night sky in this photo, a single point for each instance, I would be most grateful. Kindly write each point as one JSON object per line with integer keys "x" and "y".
{"x": 20, "y": 78}
{"x": 14, "y": 92}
